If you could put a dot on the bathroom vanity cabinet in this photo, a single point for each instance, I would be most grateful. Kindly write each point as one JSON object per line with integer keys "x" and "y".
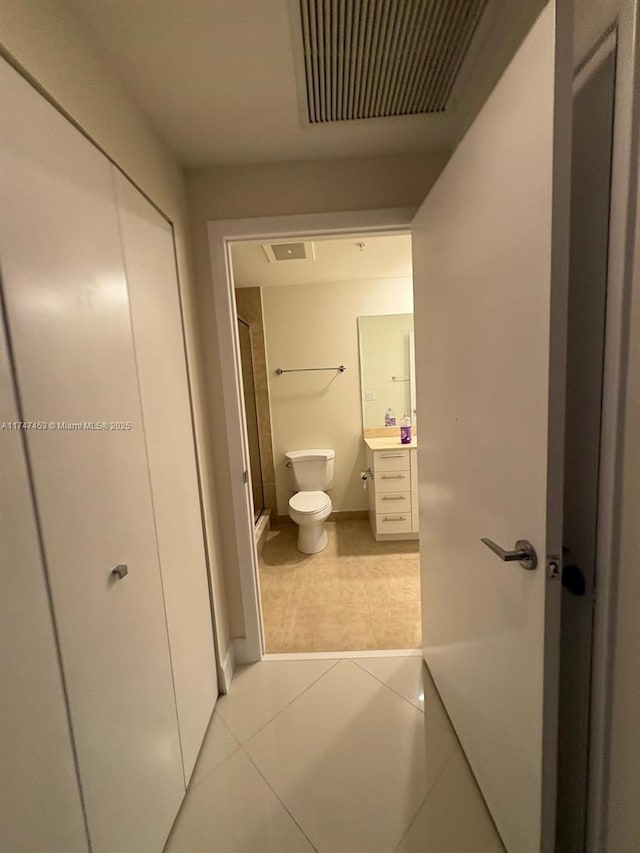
{"x": 393, "y": 488}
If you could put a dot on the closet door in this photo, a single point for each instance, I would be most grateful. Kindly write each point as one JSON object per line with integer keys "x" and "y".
{"x": 40, "y": 806}
{"x": 147, "y": 242}
{"x": 68, "y": 315}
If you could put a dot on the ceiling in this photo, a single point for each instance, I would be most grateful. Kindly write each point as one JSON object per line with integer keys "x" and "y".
{"x": 384, "y": 256}
{"x": 222, "y": 80}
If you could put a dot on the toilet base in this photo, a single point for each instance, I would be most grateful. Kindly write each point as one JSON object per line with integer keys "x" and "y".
{"x": 312, "y": 538}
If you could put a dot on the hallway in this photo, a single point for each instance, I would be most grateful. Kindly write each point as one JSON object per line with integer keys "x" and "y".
{"x": 333, "y": 756}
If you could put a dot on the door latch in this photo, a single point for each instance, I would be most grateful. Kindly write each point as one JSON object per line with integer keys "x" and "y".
{"x": 573, "y": 580}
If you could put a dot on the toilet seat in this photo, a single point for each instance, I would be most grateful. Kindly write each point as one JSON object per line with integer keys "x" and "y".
{"x": 309, "y": 503}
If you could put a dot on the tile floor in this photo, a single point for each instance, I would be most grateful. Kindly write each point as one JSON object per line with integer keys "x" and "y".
{"x": 348, "y": 756}
{"x": 355, "y": 595}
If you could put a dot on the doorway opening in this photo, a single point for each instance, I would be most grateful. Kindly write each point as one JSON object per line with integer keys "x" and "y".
{"x": 325, "y": 337}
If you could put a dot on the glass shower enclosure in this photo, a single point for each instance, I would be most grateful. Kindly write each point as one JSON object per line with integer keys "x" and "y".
{"x": 251, "y": 410}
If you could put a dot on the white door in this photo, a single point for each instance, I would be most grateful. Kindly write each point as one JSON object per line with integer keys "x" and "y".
{"x": 147, "y": 242}
{"x": 40, "y": 806}
{"x": 68, "y": 318}
{"x": 593, "y": 113}
{"x": 490, "y": 270}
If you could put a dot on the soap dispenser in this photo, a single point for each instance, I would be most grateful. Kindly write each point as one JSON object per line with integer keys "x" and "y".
{"x": 389, "y": 418}
{"x": 405, "y": 430}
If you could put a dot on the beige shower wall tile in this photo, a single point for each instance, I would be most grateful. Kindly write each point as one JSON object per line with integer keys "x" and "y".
{"x": 266, "y": 458}
{"x": 264, "y": 415}
{"x": 259, "y": 358}
{"x": 249, "y": 304}
{"x": 270, "y": 498}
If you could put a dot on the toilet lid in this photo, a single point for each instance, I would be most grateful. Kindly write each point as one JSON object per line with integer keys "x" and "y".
{"x": 307, "y": 503}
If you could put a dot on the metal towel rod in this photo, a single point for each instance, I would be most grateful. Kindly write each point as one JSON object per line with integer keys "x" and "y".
{"x": 399, "y": 378}
{"x": 280, "y": 371}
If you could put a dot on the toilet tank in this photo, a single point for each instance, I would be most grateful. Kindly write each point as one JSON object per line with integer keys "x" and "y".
{"x": 312, "y": 469}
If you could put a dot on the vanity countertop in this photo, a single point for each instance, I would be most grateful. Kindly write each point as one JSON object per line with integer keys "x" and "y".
{"x": 389, "y": 443}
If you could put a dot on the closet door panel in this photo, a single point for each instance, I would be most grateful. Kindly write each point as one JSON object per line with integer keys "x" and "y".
{"x": 40, "y": 807}
{"x": 148, "y": 249}
{"x": 68, "y": 314}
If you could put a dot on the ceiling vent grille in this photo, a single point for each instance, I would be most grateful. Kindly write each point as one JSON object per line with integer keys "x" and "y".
{"x": 376, "y": 58}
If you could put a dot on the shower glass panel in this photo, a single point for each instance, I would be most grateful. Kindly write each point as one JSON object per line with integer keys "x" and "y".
{"x": 251, "y": 409}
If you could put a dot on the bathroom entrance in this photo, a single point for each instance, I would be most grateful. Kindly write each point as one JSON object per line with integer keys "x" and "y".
{"x": 328, "y": 378}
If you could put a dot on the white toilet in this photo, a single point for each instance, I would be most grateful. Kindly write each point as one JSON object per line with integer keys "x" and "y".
{"x": 310, "y": 507}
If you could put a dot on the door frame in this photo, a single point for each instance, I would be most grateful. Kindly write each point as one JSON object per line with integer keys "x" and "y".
{"x": 222, "y": 234}
{"x": 623, "y": 30}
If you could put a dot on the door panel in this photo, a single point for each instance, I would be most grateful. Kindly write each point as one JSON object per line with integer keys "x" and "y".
{"x": 590, "y": 198}
{"x": 147, "y": 242}
{"x": 40, "y": 807}
{"x": 68, "y": 313}
{"x": 489, "y": 260}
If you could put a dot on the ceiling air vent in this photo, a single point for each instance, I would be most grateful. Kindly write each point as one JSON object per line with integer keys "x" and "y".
{"x": 375, "y": 58}
{"x": 289, "y": 251}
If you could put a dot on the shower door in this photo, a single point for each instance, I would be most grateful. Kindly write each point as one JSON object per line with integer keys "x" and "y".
{"x": 251, "y": 410}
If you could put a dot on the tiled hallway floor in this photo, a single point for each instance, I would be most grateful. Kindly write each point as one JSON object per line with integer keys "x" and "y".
{"x": 355, "y": 595}
{"x": 349, "y": 756}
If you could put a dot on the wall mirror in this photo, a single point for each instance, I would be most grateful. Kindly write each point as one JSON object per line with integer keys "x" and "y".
{"x": 387, "y": 368}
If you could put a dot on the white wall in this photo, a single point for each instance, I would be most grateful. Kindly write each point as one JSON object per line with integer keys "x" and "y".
{"x": 316, "y": 325}
{"x": 280, "y": 189}
{"x": 45, "y": 40}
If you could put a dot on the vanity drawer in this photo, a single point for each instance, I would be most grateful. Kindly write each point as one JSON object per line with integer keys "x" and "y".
{"x": 390, "y": 460}
{"x": 393, "y": 481}
{"x": 393, "y": 502}
{"x": 393, "y": 522}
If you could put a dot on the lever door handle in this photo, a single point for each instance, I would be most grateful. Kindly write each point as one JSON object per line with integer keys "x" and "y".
{"x": 523, "y": 553}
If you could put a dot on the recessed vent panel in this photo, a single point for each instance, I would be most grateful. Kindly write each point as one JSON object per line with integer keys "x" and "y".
{"x": 377, "y": 58}
{"x": 289, "y": 251}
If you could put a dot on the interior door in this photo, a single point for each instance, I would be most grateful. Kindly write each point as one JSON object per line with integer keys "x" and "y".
{"x": 593, "y": 109}
{"x": 149, "y": 257}
{"x": 40, "y": 807}
{"x": 68, "y": 318}
{"x": 490, "y": 270}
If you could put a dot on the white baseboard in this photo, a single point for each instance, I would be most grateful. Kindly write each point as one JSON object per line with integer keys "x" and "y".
{"x": 227, "y": 668}
{"x": 241, "y": 651}
{"x": 237, "y": 653}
